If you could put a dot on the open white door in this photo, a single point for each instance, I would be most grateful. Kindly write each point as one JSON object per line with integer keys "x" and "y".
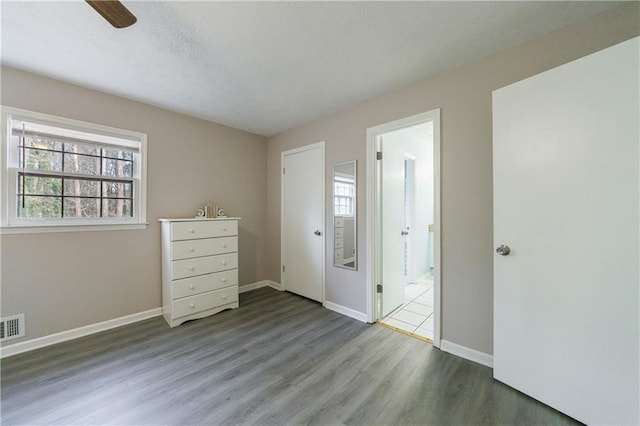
{"x": 566, "y": 202}
{"x": 303, "y": 221}
{"x": 393, "y": 226}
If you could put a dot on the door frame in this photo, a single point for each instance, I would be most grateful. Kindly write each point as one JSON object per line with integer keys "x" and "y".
{"x": 318, "y": 145}
{"x": 373, "y": 213}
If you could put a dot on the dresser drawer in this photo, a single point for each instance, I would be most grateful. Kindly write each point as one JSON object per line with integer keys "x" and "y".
{"x": 203, "y": 229}
{"x": 206, "y": 247}
{"x": 338, "y": 254}
{"x": 204, "y": 301}
{"x": 338, "y": 243}
{"x": 203, "y": 265}
{"x": 203, "y": 283}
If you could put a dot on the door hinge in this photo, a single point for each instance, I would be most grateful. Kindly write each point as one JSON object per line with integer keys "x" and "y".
{"x": 379, "y": 155}
{"x": 379, "y": 288}
{"x": 282, "y": 268}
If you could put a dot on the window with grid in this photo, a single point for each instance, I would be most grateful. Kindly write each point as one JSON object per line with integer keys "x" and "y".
{"x": 343, "y": 194}
{"x": 64, "y": 172}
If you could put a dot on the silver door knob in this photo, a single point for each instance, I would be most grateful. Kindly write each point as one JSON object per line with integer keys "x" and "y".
{"x": 403, "y": 233}
{"x": 503, "y": 250}
{"x": 318, "y": 233}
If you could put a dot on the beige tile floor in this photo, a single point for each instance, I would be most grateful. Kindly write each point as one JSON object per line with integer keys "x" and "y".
{"x": 416, "y": 313}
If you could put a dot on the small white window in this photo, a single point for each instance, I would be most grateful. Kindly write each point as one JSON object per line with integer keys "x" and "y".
{"x": 61, "y": 174}
{"x": 343, "y": 191}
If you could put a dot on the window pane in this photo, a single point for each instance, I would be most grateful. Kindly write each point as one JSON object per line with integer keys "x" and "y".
{"x": 117, "y": 168}
{"x": 117, "y": 189}
{"x": 81, "y": 207}
{"x": 343, "y": 206}
{"x": 76, "y": 163}
{"x": 39, "y": 185}
{"x": 118, "y": 154}
{"x": 37, "y": 206}
{"x": 41, "y": 143}
{"x": 81, "y": 188}
{"x": 36, "y": 159}
{"x": 116, "y": 208}
{"x": 81, "y": 148}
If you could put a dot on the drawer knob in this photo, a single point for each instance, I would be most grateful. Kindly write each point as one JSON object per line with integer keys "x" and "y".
{"x": 224, "y": 246}
{"x": 224, "y": 228}
{"x": 192, "y": 286}
{"x": 191, "y": 249}
{"x": 224, "y": 262}
{"x": 192, "y": 268}
{"x": 192, "y": 306}
{"x": 224, "y": 297}
{"x": 191, "y": 230}
{"x": 224, "y": 279}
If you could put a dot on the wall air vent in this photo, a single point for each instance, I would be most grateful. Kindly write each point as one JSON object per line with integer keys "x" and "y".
{"x": 11, "y": 327}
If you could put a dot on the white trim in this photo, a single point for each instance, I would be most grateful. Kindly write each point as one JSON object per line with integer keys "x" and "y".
{"x": 252, "y": 286}
{"x": 360, "y": 316}
{"x": 467, "y": 353}
{"x": 371, "y": 202}
{"x": 275, "y": 285}
{"x": 259, "y": 284}
{"x": 370, "y": 230}
{"x": 437, "y": 264}
{"x": 63, "y": 336}
{"x": 321, "y": 146}
{"x": 110, "y": 132}
{"x": 11, "y": 230}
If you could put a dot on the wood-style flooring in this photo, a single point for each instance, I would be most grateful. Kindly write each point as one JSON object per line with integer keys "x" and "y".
{"x": 278, "y": 359}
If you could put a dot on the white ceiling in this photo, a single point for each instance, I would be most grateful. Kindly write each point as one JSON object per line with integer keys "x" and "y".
{"x": 267, "y": 66}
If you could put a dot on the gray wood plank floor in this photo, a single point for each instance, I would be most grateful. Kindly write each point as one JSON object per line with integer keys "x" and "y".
{"x": 278, "y": 359}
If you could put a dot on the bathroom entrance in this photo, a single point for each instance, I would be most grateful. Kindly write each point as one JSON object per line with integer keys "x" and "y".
{"x": 405, "y": 225}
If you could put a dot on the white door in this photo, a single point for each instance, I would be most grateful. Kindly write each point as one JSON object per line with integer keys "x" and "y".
{"x": 566, "y": 202}
{"x": 303, "y": 221}
{"x": 393, "y": 225}
{"x": 409, "y": 219}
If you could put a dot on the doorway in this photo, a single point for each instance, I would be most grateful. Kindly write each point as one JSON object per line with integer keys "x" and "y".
{"x": 302, "y": 221}
{"x": 403, "y": 224}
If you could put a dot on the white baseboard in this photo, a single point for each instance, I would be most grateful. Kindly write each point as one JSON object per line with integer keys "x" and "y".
{"x": 252, "y": 286}
{"x": 467, "y": 353}
{"x": 360, "y": 316}
{"x": 275, "y": 285}
{"x": 259, "y": 284}
{"x": 63, "y": 336}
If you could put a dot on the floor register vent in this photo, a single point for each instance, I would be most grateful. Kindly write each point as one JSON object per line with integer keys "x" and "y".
{"x": 11, "y": 327}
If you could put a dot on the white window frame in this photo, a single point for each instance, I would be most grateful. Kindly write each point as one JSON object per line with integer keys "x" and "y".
{"x": 346, "y": 180}
{"x": 10, "y": 223}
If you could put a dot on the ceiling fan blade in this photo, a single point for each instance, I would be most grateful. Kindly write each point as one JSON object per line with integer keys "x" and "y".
{"x": 114, "y": 12}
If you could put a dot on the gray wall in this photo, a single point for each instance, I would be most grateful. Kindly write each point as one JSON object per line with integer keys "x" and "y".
{"x": 464, "y": 95}
{"x": 59, "y": 280}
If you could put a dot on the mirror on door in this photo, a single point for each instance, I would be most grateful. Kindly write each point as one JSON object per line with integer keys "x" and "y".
{"x": 345, "y": 252}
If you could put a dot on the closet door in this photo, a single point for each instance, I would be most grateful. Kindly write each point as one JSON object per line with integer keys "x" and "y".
{"x": 303, "y": 221}
{"x": 566, "y": 203}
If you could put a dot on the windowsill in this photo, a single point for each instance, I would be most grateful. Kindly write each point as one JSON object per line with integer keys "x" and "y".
{"x": 41, "y": 229}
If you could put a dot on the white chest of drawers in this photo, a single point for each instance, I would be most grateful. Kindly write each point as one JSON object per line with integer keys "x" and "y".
{"x": 199, "y": 267}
